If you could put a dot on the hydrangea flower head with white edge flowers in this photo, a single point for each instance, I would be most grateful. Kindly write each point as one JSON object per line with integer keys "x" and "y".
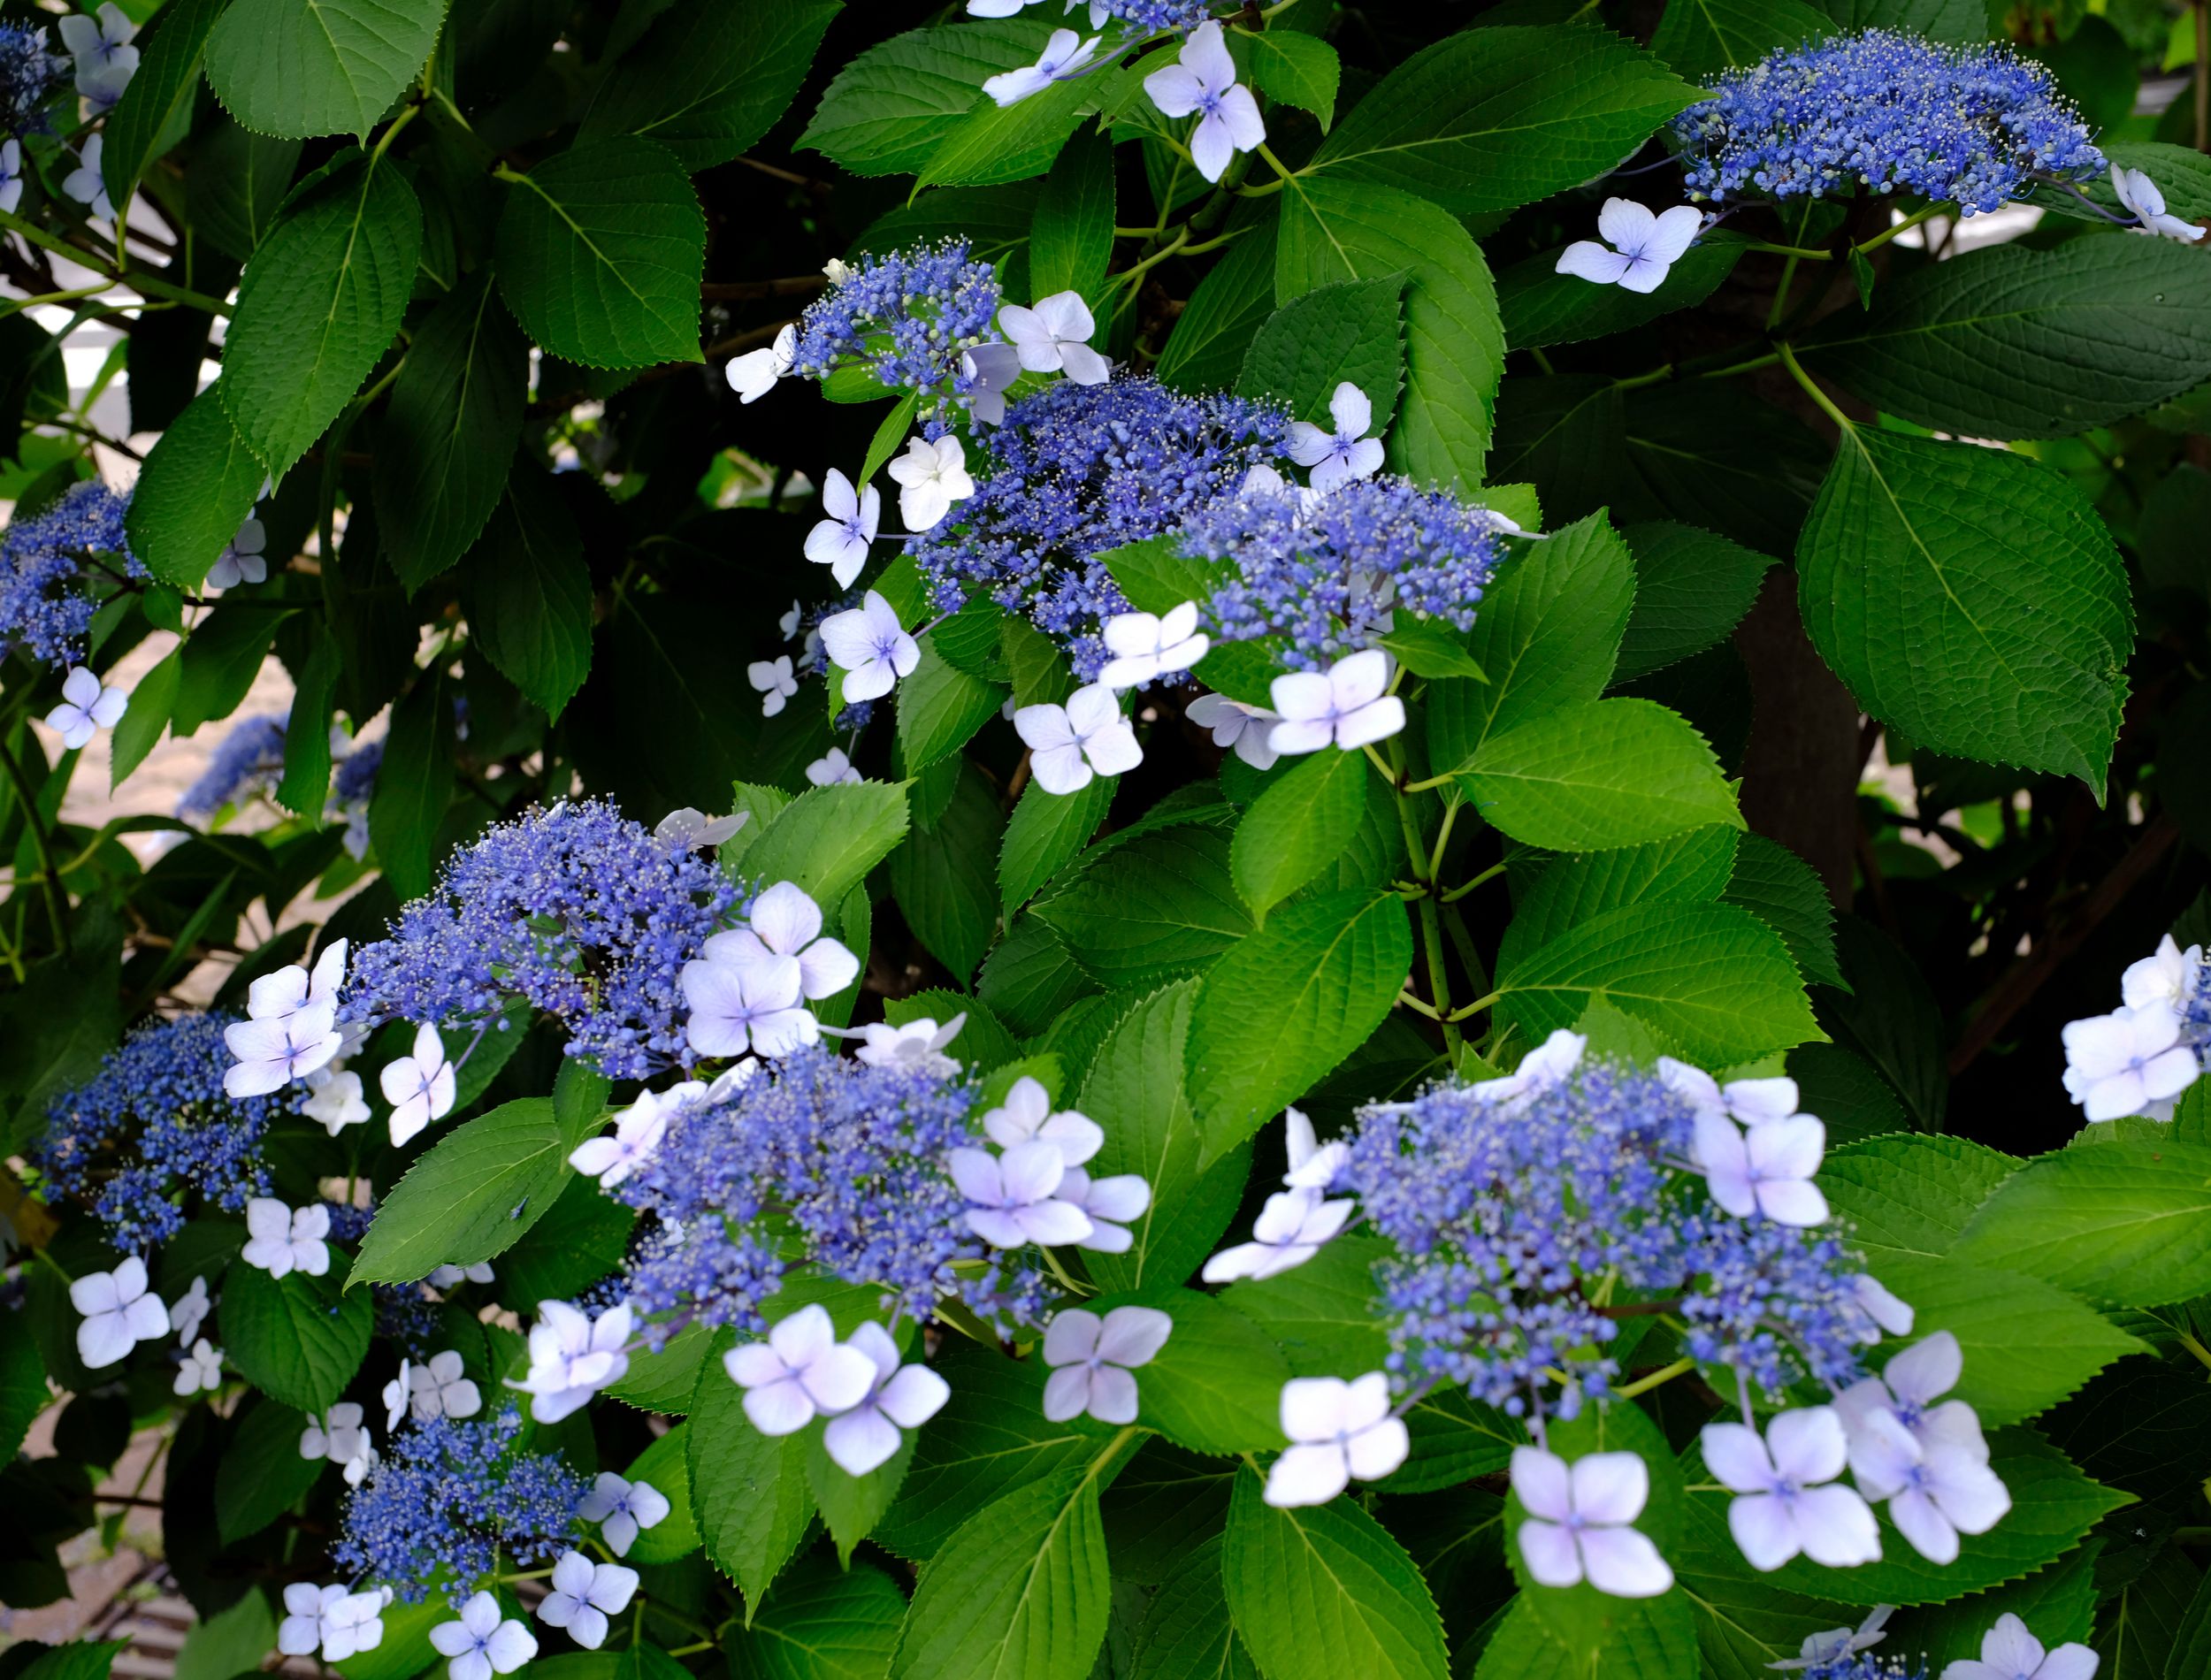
{"x": 86, "y": 707}
{"x": 638, "y": 1131}
{"x": 1290, "y": 1230}
{"x": 1337, "y": 1431}
{"x": 1787, "y": 1500}
{"x": 774, "y": 681}
{"x": 572, "y": 1357}
{"x": 1928, "y": 1461}
{"x": 783, "y": 938}
{"x": 2009, "y": 1651}
{"x": 281, "y": 1241}
{"x": 1066, "y": 54}
{"x": 1070, "y": 743}
{"x": 1146, "y": 647}
{"x": 242, "y": 560}
{"x": 483, "y": 1643}
{"x": 420, "y": 1087}
{"x": 866, "y": 1436}
{"x": 2137, "y": 193}
{"x": 2129, "y": 1062}
{"x": 583, "y": 1595}
{"x": 1091, "y": 1359}
{"x": 931, "y": 476}
{"x": 1055, "y": 337}
{"x": 841, "y": 540}
{"x": 1204, "y": 80}
{"x": 1238, "y": 726}
{"x": 870, "y": 647}
{"x": 623, "y": 1510}
{"x": 272, "y": 1053}
{"x": 800, "y": 1372}
{"x": 1640, "y": 247}
{"x": 754, "y": 374}
{"x": 1347, "y": 452}
{"x": 1579, "y": 1523}
{"x": 1345, "y": 706}
{"x": 1767, "y": 1170}
{"x": 1014, "y": 1196}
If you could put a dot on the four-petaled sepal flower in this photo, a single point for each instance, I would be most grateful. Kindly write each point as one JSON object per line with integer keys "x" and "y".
{"x": 1641, "y": 246}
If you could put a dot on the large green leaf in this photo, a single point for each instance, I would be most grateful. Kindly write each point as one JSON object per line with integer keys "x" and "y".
{"x": 1603, "y": 773}
{"x": 1489, "y": 119}
{"x": 820, "y": 1624}
{"x": 890, "y": 108}
{"x": 1912, "y": 1196}
{"x": 300, "y": 68}
{"x": 1692, "y": 587}
{"x": 1324, "y": 1592}
{"x": 1161, "y": 906}
{"x": 297, "y": 1339}
{"x": 1334, "y": 230}
{"x": 1302, "y": 821}
{"x": 1351, "y": 331}
{"x": 1216, "y": 1385}
{"x": 1323, "y": 1318}
{"x": 1186, "y": 1633}
{"x": 600, "y": 250}
{"x": 940, "y": 708}
{"x": 1692, "y": 868}
{"x": 156, "y": 109}
{"x": 448, "y": 434}
{"x": 1044, "y": 833}
{"x": 1780, "y": 889}
{"x": 414, "y": 785}
{"x": 1971, "y": 599}
{"x": 997, "y": 143}
{"x": 318, "y": 304}
{"x": 709, "y": 77}
{"x": 23, "y": 1392}
{"x": 261, "y": 1475}
{"x": 2126, "y": 1221}
{"x": 1216, "y": 327}
{"x": 2007, "y": 342}
{"x": 1288, "y": 1004}
{"x": 1701, "y": 38}
{"x": 198, "y": 485}
{"x": 944, "y": 878}
{"x": 528, "y": 590}
{"x": 1071, "y": 238}
{"x": 827, "y": 839}
{"x": 748, "y": 1490}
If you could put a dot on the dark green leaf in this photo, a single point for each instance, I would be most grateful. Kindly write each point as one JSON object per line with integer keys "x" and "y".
{"x": 199, "y": 484}
{"x": 155, "y": 108}
{"x": 528, "y": 590}
{"x": 710, "y": 78}
{"x": 300, "y": 68}
{"x": 1692, "y": 588}
{"x": 414, "y": 784}
{"x": 297, "y": 1339}
{"x": 1352, "y": 331}
{"x": 1297, "y": 827}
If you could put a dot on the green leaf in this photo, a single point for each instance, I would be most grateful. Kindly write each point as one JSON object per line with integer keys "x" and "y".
{"x": 1186, "y": 1633}
{"x": 1216, "y": 326}
{"x": 414, "y": 784}
{"x": 1216, "y": 1385}
{"x": 236, "y": 185}
{"x": 305, "y": 786}
{"x": 943, "y": 874}
{"x": 1044, "y": 832}
{"x": 1352, "y": 331}
{"x": 2124, "y": 1222}
{"x": 748, "y": 1490}
{"x": 601, "y": 251}
{"x": 1546, "y": 636}
{"x": 1689, "y": 869}
{"x": 940, "y": 708}
{"x": 1701, "y": 38}
{"x": 1779, "y": 887}
{"x": 1295, "y": 69}
{"x": 1692, "y": 588}
{"x": 528, "y": 592}
{"x": 319, "y": 302}
{"x": 297, "y": 1339}
{"x": 1018, "y": 1593}
{"x": 709, "y": 79}
{"x": 1071, "y": 239}
{"x": 231, "y": 1642}
{"x": 997, "y": 143}
{"x": 893, "y": 105}
{"x": 155, "y": 108}
{"x": 1287, "y": 1004}
{"x": 261, "y": 1474}
{"x": 2143, "y": 1623}
{"x": 23, "y": 1392}
{"x": 666, "y": 1466}
{"x": 199, "y": 484}
{"x": 827, "y": 839}
{"x": 1324, "y": 1592}
{"x": 1159, "y": 907}
{"x": 449, "y": 432}
{"x": 300, "y": 68}
{"x": 1490, "y": 119}
{"x": 1713, "y": 982}
{"x": 140, "y": 728}
{"x": 2006, "y": 342}
{"x": 1599, "y": 774}
{"x": 1910, "y": 1196}
{"x": 219, "y": 661}
{"x": 665, "y": 1381}
{"x": 1297, "y": 827}
{"x": 1960, "y": 22}
{"x": 473, "y": 1195}
{"x": 79, "y": 1660}
{"x": 1334, "y": 230}
{"x": 820, "y": 1624}
{"x": 1970, "y": 599}
{"x": 1323, "y": 1319}
{"x": 1542, "y": 306}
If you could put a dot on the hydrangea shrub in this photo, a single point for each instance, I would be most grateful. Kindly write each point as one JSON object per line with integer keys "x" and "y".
{"x": 1143, "y": 841}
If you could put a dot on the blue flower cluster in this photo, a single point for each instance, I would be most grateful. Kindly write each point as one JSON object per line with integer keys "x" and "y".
{"x": 1325, "y": 572}
{"x": 1146, "y": 16}
{"x": 1518, "y": 1222}
{"x": 907, "y": 316}
{"x": 1976, "y": 125}
{"x": 1077, "y": 470}
{"x": 852, "y": 1157}
{"x": 462, "y": 1498}
{"x": 577, "y": 909}
{"x": 1864, "y": 1664}
{"x": 44, "y": 603}
{"x": 352, "y": 784}
{"x": 28, "y": 71}
{"x": 151, "y": 1125}
{"x": 248, "y": 763}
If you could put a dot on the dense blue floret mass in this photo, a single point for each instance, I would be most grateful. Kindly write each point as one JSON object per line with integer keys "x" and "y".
{"x": 45, "y": 605}
{"x": 28, "y": 71}
{"x": 249, "y": 761}
{"x": 1977, "y": 126}
{"x": 907, "y": 316}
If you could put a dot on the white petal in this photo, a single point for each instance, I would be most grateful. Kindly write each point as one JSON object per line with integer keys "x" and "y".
{"x": 1737, "y": 1457}
{"x": 1626, "y": 224}
{"x": 1550, "y": 1554}
{"x": 1132, "y": 1335}
{"x": 1764, "y": 1531}
{"x": 1307, "y": 1476}
{"x": 1611, "y": 1487}
{"x": 1588, "y": 259}
{"x": 1543, "y": 1483}
{"x": 1837, "y": 1527}
{"x": 860, "y": 1441}
{"x": 1624, "y": 1562}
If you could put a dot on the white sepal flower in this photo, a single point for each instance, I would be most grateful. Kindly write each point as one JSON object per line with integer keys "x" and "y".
{"x": 11, "y": 176}
{"x": 86, "y": 184}
{"x": 398, "y": 1396}
{"x": 1026, "y": 1115}
{"x": 2137, "y": 193}
{"x": 783, "y": 938}
{"x": 203, "y": 1368}
{"x": 1065, "y": 54}
{"x": 189, "y": 1312}
{"x": 801, "y": 1371}
{"x": 483, "y": 1643}
{"x": 281, "y": 1241}
{"x": 340, "y": 1623}
{"x": 1070, "y": 743}
{"x": 447, "y": 1277}
{"x": 1928, "y": 1461}
{"x": 288, "y": 992}
{"x": 1641, "y": 246}
{"x": 688, "y": 828}
{"x": 1290, "y": 1231}
{"x": 754, "y": 374}
{"x": 583, "y": 1595}
{"x": 841, "y": 541}
{"x": 1747, "y": 1100}
{"x": 2127, "y": 1062}
{"x": 1111, "y": 1203}
{"x": 359, "y": 1461}
{"x": 337, "y": 1435}
{"x": 1541, "y": 1070}
{"x": 918, "y": 1043}
{"x": 242, "y": 560}
{"x": 870, "y": 645}
{"x": 420, "y": 1087}
{"x": 1014, "y": 1196}
{"x": 105, "y": 59}
{"x": 1337, "y": 1431}
{"x": 1579, "y": 1517}
{"x": 86, "y": 708}
{"x": 901, "y": 1397}
{"x": 1146, "y": 647}
{"x": 831, "y": 770}
{"x": 638, "y": 1131}
{"x": 736, "y": 1010}
{"x": 623, "y": 1510}
{"x": 441, "y": 1388}
{"x": 1312, "y": 1163}
{"x": 572, "y": 1357}
{"x": 335, "y": 1100}
{"x": 1055, "y": 337}
{"x": 1787, "y": 1500}
{"x": 1204, "y": 80}
{"x": 2166, "y": 976}
{"x": 1767, "y": 1170}
{"x": 1345, "y": 706}
{"x": 2009, "y": 1652}
{"x": 1091, "y": 1359}
{"x": 1346, "y": 452}
{"x": 931, "y": 476}
{"x": 1880, "y": 1309}
{"x": 272, "y": 1053}
{"x": 1837, "y": 1643}
{"x": 1235, "y": 724}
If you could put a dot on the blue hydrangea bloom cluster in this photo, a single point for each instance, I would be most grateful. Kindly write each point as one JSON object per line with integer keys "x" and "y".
{"x": 1505, "y": 1217}
{"x": 44, "y": 603}
{"x": 353, "y": 779}
{"x": 248, "y": 763}
{"x": 850, "y": 1157}
{"x": 1146, "y": 16}
{"x": 1077, "y": 470}
{"x": 152, "y": 1125}
{"x": 1976, "y": 125}
{"x": 907, "y": 316}
{"x": 461, "y": 1497}
{"x": 1864, "y": 1665}
{"x": 28, "y": 71}
{"x": 1325, "y": 572}
{"x": 577, "y": 909}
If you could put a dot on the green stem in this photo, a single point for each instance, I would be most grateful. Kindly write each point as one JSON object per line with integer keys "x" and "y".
{"x": 1477, "y": 1006}
{"x": 1797, "y": 373}
{"x": 2202, "y": 1354}
{"x": 1636, "y": 382}
{"x": 50, "y": 878}
{"x": 1781, "y": 293}
{"x": 1413, "y": 1002}
{"x": 1890, "y": 233}
{"x": 384, "y": 140}
{"x": 1488, "y": 875}
{"x": 1664, "y": 1374}
{"x": 1803, "y": 253}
